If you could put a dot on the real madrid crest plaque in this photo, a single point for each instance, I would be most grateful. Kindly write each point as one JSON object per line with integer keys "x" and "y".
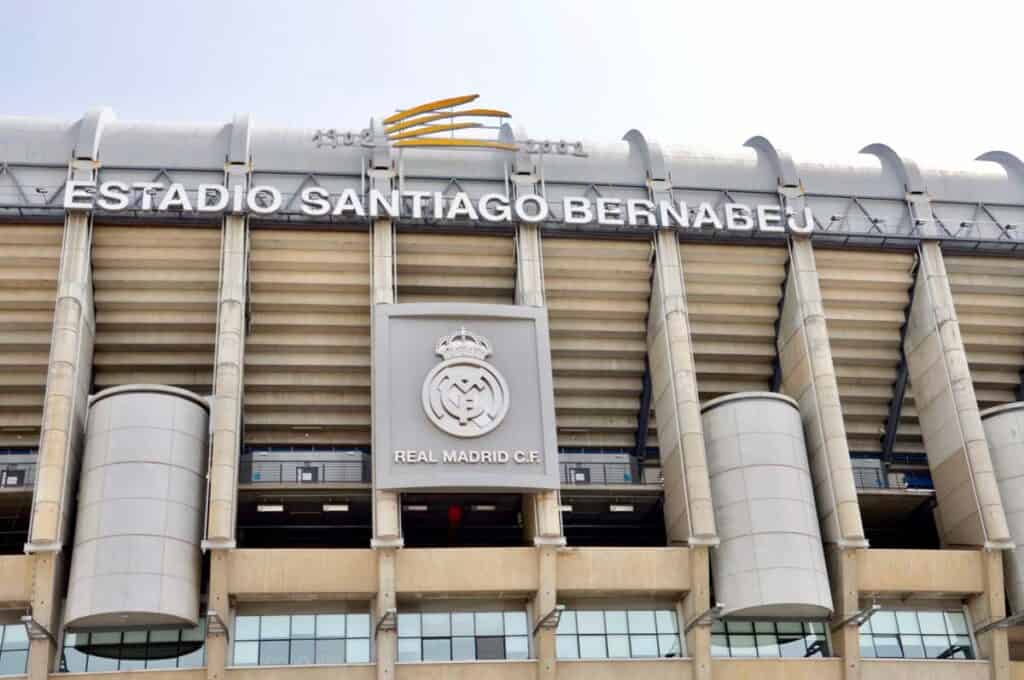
{"x": 462, "y": 398}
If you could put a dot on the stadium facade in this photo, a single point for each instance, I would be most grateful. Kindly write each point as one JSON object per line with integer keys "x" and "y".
{"x": 403, "y": 403}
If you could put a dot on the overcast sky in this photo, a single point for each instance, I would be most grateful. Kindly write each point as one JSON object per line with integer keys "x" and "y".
{"x": 938, "y": 81}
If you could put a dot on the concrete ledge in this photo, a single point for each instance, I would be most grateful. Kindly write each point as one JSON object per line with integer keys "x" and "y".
{"x": 342, "y": 672}
{"x": 777, "y": 669}
{"x": 466, "y": 571}
{"x": 603, "y": 571}
{"x": 270, "y": 574}
{"x": 938, "y": 572}
{"x": 922, "y": 669}
{"x": 16, "y": 582}
{"x": 616, "y": 669}
{"x": 468, "y": 670}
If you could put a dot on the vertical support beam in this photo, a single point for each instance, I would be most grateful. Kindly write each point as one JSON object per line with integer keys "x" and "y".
{"x": 842, "y": 567}
{"x": 695, "y": 603}
{"x": 689, "y": 517}
{"x": 970, "y": 508}
{"x": 988, "y": 607}
{"x": 65, "y": 408}
{"x": 899, "y": 387}
{"x": 226, "y": 400}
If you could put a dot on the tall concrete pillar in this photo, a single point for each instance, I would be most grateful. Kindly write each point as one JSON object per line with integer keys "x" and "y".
{"x": 689, "y": 517}
{"x": 969, "y": 505}
{"x": 226, "y": 431}
{"x": 387, "y": 531}
{"x": 808, "y": 376}
{"x": 988, "y": 607}
{"x": 696, "y": 602}
{"x": 62, "y": 433}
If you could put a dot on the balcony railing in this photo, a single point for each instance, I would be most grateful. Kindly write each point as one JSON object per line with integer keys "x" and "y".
{"x": 348, "y": 469}
{"x": 875, "y": 478}
{"x": 17, "y": 475}
{"x": 589, "y": 472}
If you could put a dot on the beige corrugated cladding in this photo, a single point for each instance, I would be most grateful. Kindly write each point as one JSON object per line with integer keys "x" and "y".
{"x": 988, "y": 293}
{"x": 307, "y": 356}
{"x": 865, "y": 295}
{"x": 456, "y": 268}
{"x": 155, "y": 289}
{"x": 732, "y": 293}
{"x": 597, "y": 293}
{"x": 29, "y": 262}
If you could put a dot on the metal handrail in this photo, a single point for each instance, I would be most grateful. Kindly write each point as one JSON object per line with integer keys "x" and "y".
{"x": 297, "y": 471}
{"x": 874, "y": 478}
{"x": 580, "y": 473}
{"x": 17, "y": 475}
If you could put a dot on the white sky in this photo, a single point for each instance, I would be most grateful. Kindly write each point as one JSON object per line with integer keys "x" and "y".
{"x": 940, "y": 82}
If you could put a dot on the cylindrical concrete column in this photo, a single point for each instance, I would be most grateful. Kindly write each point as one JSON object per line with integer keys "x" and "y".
{"x": 770, "y": 562}
{"x": 1004, "y": 430}
{"x": 136, "y": 560}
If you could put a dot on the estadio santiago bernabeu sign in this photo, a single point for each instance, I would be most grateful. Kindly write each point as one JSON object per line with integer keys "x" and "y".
{"x": 463, "y": 397}
{"x": 493, "y": 208}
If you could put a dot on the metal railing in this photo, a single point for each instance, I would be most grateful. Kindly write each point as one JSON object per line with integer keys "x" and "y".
{"x": 17, "y": 475}
{"x": 281, "y": 471}
{"x": 584, "y": 473}
{"x": 874, "y": 478}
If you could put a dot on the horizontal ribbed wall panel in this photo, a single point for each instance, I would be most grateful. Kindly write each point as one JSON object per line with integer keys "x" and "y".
{"x": 307, "y": 356}
{"x": 732, "y": 294}
{"x": 456, "y": 268}
{"x": 29, "y": 265}
{"x": 156, "y": 305}
{"x": 597, "y": 294}
{"x": 988, "y": 293}
{"x": 865, "y": 295}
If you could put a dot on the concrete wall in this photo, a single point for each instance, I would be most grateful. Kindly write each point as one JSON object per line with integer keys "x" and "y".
{"x": 901, "y": 669}
{"x": 16, "y": 582}
{"x": 470, "y": 670}
{"x": 586, "y": 572}
{"x": 777, "y": 669}
{"x": 466, "y": 570}
{"x": 346, "y": 672}
{"x": 320, "y": 573}
{"x": 626, "y": 669}
{"x": 920, "y": 571}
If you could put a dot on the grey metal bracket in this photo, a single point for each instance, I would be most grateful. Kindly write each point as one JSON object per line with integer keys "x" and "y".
{"x": 916, "y": 194}
{"x": 899, "y": 387}
{"x": 652, "y": 160}
{"x": 90, "y": 134}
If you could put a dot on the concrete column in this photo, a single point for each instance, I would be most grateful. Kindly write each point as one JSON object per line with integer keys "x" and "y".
{"x": 987, "y": 607}
{"x": 387, "y": 530}
{"x": 226, "y": 434}
{"x": 688, "y": 512}
{"x": 62, "y": 434}
{"x": 842, "y": 566}
{"x": 695, "y": 603}
{"x": 969, "y": 505}
{"x": 544, "y": 641}
{"x": 809, "y": 377}
{"x": 226, "y": 411}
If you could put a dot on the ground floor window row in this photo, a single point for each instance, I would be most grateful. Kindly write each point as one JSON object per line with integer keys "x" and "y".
{"x": 302, "y": 639}
{"x": 916, "y": 635}
{"x": 129, "y": 650}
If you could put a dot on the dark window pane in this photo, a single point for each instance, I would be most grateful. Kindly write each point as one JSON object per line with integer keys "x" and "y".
{"x": 489, "y": 647}
{"x": 302, "y": 653}
{"x": 274, "y": 653}
{"x": 437, "y": 649}
{"x": 247, "y": 653}
{"x": 330, "y": 625}
{"x": 463, "y": 649}
{"x": 330, "y": 651}
{"x": 155, "y": 636}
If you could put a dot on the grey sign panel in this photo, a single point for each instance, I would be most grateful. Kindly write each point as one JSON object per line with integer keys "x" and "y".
{"x": 463, "y": 398}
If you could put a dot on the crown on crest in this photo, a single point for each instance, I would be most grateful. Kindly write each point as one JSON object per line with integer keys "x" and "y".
{"x": 463, "y": 343}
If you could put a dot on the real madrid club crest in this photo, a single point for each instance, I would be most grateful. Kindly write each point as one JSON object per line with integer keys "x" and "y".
{"x": 464, "y": 395}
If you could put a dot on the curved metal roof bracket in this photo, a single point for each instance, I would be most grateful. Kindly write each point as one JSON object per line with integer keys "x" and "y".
{"x": 238, "y": 167}
{"x": 916, "y": 194}
{"x": 1013, "y": 165}
{"x": 659, "y": 182}
{"x": 90, "y": 133}
{"x": 780, "y": 161}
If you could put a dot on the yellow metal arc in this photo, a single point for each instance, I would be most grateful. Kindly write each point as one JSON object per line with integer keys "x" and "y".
{"x": 431, "y": 129}
{"x": 440, "y": 143}
{"x": 429, "y": 106}
{"x": 487, "y": 113}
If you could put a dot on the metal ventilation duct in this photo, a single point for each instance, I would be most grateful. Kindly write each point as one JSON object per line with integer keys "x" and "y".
{"x": 770, "y": 563}
{"x": 136, "y": 559}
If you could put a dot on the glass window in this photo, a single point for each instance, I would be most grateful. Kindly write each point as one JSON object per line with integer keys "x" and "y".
{"x": 619, "y": 634}
{"x": 301, "y": 639}
{"x": 912, "y": 634}
{"x": 119, "y": 650}
{"x": 768, "y": 639}
{"x": 462, "y": 636}
{"x": 13, "y": 649}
